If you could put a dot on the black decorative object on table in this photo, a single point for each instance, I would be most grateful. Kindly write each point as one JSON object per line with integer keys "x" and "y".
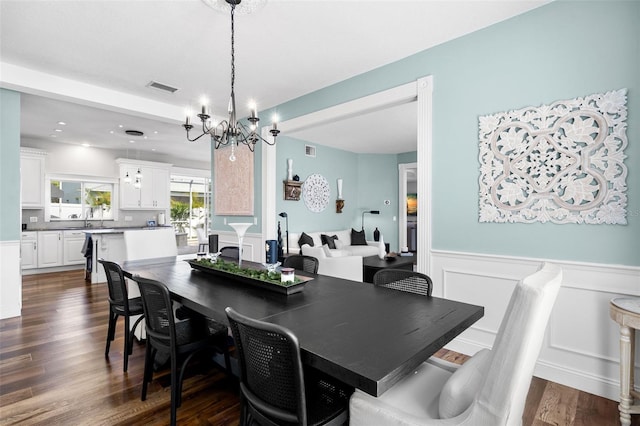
{"x": 376, "y": 234}
{"x": 280, "y": 249}
{"x": 286, "y": 217}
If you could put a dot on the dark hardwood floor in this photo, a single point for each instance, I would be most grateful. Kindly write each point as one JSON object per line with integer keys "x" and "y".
{"x": 53, "y": 371}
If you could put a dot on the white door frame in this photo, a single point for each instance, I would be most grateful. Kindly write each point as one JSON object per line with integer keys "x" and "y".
{"x": 420, "y": 91}
{"x": 402, "y": 202}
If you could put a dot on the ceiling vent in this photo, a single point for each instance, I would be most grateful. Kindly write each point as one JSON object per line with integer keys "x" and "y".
{"x": 161, "y": 86}
{"x": 134, "y": 132}
{"x": 310, "y": 150}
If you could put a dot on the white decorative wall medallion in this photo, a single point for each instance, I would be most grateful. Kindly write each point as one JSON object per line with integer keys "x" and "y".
{"x": 562, "y": 162}
{"x": 316, "y": 192}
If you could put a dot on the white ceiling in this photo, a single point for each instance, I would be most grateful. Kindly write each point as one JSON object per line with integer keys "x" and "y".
{"x": 284, "y": 50}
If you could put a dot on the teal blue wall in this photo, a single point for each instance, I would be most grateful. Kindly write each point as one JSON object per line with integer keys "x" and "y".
{"x": 9, "y": 165}
{"x": 408, "y": 157}
{"x": 332, "y": 164}
{"x": 562, "y": 50}
{"x": 378, "y": 181}
{"x": 368, "y": 180}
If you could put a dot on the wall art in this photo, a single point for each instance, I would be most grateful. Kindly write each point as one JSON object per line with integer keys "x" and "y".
{"x": 233, "y": 182}
{"x": 316, "y": 192}
{"x": 560, "y": 163}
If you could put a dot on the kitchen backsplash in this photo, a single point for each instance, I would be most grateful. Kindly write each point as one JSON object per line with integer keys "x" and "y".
{"x": 138, "y": 218}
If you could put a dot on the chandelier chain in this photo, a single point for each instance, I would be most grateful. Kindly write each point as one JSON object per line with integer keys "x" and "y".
{"x": 233, "y": 50}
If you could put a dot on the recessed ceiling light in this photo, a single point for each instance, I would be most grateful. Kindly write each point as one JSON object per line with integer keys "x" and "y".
{"x": 111, "y": 131}
{"x": 120, "y": 125}
{"x": 86, "y": 145}
{"x": 132, "y": 141}
{"x": 54, "y": 136}
{"x": 153, "y": 149}
{"x": 155, "y": 132}
{"x": 62, "y": 123}
{"x": 58, "y": 130}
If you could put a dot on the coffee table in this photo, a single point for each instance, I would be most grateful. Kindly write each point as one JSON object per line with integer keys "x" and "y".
{"x": 372, "y": 264}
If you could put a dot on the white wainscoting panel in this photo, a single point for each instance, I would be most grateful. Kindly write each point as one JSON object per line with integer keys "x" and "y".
{"x": 581, "y": 347}
{"x": 10, "y": 280}
{"x": 252, "y": 244}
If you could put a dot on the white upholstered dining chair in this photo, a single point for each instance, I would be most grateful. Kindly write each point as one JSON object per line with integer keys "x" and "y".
{"x": 489, "y": 389}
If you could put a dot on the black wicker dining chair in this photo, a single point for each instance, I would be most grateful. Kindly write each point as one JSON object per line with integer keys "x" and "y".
{"x": 275, "y": 387}
{"x": 307, "y": 264}
{"x": 120, "y": 306}
{"x": 404, "y": 280}
{"x": 180, "y": 340}
{"x": 231, "y": 252}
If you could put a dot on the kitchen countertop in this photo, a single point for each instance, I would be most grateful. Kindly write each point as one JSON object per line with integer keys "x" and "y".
{"x": 105, "y": 230}
{"x": 93, "y": 231}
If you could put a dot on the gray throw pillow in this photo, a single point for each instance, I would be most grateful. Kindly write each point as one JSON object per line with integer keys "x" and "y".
{"x": 358, "y": 238}
{"x": 305, "y": 239}
{"x": 330, "y": 241}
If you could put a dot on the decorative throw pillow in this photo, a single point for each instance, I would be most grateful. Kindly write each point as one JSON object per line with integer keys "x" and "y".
{"x": 358, "y": 238}
{"x": 340, "y": 244}
{"x": 330, "y": 241}
{"x": 336, "y": 253}
{"x": 463, "y": 386}
{"x": 305, "y": 239}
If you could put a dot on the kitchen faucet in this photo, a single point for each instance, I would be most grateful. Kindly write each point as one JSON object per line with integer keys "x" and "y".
{"x": 86, "y": 220}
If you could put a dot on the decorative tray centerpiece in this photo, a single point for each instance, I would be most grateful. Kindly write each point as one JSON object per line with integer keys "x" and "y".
{"x": 256, "y": 276}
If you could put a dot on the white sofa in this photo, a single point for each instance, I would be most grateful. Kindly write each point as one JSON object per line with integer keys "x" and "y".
{"x": 345, "y": 261}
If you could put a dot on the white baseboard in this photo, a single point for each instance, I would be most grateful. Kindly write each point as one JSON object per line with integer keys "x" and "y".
{"x": 36, "y": 271}
{"x": 581, "y": 346}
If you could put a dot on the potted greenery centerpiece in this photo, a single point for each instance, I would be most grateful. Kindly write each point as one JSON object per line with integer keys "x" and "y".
{"x": 259, "y": 277}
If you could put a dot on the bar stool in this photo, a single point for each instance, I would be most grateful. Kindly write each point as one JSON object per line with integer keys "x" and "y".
{"x": 626, "y": 312}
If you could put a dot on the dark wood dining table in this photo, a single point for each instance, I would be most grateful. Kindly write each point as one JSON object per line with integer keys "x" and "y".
{"x": 366, "y": 336}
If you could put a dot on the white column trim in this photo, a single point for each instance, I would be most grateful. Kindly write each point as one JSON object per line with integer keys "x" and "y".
{"x": 425, "y": 141}
{"x": 268, "y": 189}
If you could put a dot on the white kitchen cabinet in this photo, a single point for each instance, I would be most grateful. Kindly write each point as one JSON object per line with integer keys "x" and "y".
{"x": 50, "y": 249}
{"x": 129, "y": 194}
{"x": 32, "y": 179}
{"x": 73, "y": 241}
{"x": 154, "y": 194}
{"x": 154, "y": 191}
{"x": 29, "y": 250}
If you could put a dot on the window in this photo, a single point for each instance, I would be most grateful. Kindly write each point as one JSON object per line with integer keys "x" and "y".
{"x": 190, "y": 197}
{"x": 79, "y": 199}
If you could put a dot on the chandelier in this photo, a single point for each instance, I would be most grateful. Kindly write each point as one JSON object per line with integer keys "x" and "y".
{"x": 231, "y": 132}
